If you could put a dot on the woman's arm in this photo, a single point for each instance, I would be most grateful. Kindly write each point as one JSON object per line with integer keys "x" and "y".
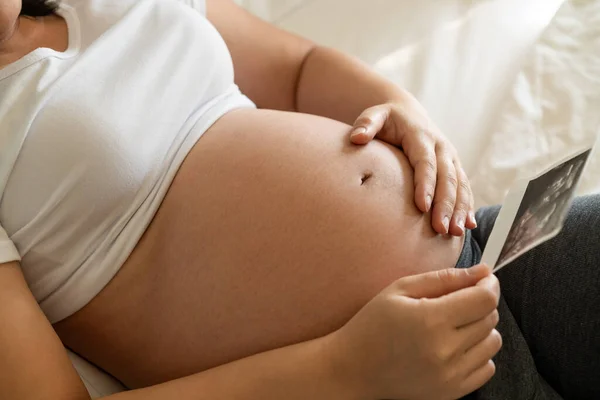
{"x": 282, "y": 71}
{"x": 354, "y": 362}
{"x": 33, "y": 361}
{"x": 298, "y": 372}
{"x": 398, "y": 346}
{"x": 34, "y": 364}
{"x": 279, "y": 70}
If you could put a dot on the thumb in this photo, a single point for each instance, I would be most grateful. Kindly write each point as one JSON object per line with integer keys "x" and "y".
{"x": 440, "y": 283}
{"x": 368, "y": 124}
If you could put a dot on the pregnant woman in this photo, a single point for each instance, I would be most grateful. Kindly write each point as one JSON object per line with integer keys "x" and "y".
{"x": 197, "y": 243}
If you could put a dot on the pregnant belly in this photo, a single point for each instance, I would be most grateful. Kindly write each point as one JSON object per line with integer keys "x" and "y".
{"x": 275, "y": 230}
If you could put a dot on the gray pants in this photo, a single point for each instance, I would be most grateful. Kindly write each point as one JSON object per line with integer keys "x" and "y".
{"x": 549, "y": 311}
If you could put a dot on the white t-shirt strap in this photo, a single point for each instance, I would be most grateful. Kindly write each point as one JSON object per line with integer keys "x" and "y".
{"x": 8, "y": 251}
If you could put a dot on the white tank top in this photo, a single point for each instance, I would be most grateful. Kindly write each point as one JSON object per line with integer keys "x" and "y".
{"x": 91, "y": 138}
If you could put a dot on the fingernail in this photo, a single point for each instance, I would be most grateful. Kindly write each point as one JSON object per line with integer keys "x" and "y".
{"x": 446, "y": 223}
{"x": 490, "y": 283}
{"x": 359, "y": 131}
{"x": 477, "y": 269}
{"x": 428, "y": 201}
{"x": 472, "y": 218}
{"x": 461, "y": 224}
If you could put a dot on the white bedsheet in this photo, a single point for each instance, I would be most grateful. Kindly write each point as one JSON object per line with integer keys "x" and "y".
{"x": 553, "y": 108}
{"x": 513, "y": 83}
{"x": 97, "y": 382}
{"x": 510, "y": 100}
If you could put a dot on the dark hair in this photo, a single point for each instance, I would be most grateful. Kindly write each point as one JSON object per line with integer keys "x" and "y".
{"x": 38, "y": 8}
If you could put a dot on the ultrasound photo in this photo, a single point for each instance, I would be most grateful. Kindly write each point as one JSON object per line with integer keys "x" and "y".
{"x": 534, "y": 211}
{"x": 544, "y": 208}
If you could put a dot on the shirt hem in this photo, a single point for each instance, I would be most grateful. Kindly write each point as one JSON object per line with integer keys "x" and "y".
{"x": 8, "y": 253}
{"x": 104, "y": 264}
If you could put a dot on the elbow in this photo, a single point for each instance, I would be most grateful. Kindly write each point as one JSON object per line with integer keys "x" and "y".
{"x": 309, "y": 53}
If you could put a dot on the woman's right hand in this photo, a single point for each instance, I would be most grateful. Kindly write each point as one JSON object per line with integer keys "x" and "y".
{"x": 428, "y": 336}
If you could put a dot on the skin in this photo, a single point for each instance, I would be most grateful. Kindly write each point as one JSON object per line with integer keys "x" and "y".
{"x": 9, "y": 16}
{"x": 300, "y": 69}
{"x": 20, "y": 35}
{"x": 320, "y": 213}
{"x": 357, "y": 226}
{"x": 327, "y": 368}
{"x": 312, "y": 79}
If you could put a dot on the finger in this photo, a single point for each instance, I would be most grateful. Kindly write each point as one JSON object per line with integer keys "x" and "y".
{"x": 471, "y": 304}
{"x": 421, "y": 155}
{"x": 470, "y": 335}
{"x": 463, "y": 202}
{"x": 439, "y": 283}
{"x": 479, "y": 377}
{"x": 369, "y": 123}
{"x": 445, "y": 193}
{"x": 471, "y": 222}
{"x": 479, "y": 354}
{"x": 491, "y": 283}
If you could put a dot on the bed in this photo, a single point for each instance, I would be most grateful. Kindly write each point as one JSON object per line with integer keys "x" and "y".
{"x": 514, "y": 84}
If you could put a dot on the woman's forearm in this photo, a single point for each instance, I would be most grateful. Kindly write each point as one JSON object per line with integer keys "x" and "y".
{"x": 335, "y": 85}
{"x": 303, "y": 371}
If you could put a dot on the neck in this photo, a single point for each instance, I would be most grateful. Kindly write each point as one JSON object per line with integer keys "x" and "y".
{"x": 32, "y": 33}
{"x": 6, "y": 38}
{"x": 17, "y": 41}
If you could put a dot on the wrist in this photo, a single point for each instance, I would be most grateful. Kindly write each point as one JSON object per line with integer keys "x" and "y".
{"x": 400, "y": 96}
{"x": 339, "y": 367}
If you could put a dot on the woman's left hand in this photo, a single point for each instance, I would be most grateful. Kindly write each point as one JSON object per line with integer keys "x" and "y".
{"x": 440, "y": 181}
